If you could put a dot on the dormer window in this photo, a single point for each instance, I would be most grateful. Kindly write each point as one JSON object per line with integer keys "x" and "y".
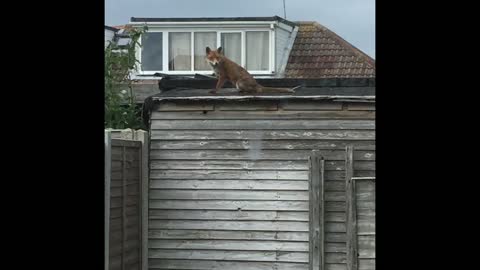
{"x": 182, "y": 51}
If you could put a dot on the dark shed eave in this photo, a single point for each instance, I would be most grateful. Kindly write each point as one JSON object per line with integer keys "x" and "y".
{"x": 266, "y": 97}
{"x": 188, "y": 92}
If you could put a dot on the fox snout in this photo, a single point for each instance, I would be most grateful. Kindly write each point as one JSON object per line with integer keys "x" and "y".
{"x": 213, "y": 63}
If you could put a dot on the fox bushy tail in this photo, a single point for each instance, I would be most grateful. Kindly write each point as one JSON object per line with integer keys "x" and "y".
{"x": 278, "y": 90}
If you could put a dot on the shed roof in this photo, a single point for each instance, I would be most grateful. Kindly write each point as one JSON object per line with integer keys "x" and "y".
{"x": 311, "y": 93}
{"x": 169, "y": 82}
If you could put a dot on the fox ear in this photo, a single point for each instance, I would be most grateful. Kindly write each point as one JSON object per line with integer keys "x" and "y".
{"x": 208, "y": 50}
{"x": 219, "y": 50}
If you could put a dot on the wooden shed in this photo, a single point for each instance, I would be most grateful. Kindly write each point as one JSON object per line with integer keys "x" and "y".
{"x": 263, "y": 182}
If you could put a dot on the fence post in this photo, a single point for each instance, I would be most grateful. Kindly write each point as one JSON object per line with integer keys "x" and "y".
{"x": 143, "y": 137}
{"x": 317, "y": 212}
{"x": 124, "y": 205}
{"x": 352, "y": 254}
{"x": 107, "y": 173}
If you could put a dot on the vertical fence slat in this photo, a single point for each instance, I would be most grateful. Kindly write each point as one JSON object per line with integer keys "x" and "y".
{"x": 354, "y": 195}
{"x": 352, "y": 253}
{"x": 316, "y": 212}
{"x": 108, "y": 171}
{"x": 321, "y": 216}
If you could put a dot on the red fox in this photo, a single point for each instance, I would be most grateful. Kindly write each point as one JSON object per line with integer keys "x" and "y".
{"x": 226, "y": 69}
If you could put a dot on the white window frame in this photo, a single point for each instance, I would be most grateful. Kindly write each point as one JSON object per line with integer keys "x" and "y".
{"x": 166, "y": 52}
{"x": 242, "y": 43}
{"x": 238, "y": 29}
{"x": 193, "y": 49}
{"x": 138, "y": 54}
{"x": 271, "y": 44}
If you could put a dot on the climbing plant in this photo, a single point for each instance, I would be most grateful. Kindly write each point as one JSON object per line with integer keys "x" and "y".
{"x": 121, "y": 111}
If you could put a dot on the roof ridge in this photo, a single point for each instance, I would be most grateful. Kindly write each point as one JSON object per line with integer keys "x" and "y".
{"x": 121, "y": 26}
{"x": 304, "y": 22}
{"x": 112, "y": 28}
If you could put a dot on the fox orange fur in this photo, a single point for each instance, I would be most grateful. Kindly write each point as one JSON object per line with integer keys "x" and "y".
{"x": 226, "y": 69}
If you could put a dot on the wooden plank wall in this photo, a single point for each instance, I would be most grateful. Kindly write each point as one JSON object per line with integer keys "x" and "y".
{"x": 125, "y": 205}
{"x": 229, "y": 181}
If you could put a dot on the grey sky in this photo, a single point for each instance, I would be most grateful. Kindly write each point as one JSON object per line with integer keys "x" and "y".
{"x": 353, "y": 20}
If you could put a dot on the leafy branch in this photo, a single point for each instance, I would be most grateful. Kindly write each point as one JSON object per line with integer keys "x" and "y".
{"x": 121, "y": 111}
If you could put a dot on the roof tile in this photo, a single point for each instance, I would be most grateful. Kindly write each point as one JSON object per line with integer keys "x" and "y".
{"x": 319, "y": 53}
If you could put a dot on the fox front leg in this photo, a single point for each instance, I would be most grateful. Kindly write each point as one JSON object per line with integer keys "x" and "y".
{"x": 220, "y": 82}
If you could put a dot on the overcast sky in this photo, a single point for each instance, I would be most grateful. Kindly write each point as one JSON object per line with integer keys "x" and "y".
{"x": 353, "y": 20}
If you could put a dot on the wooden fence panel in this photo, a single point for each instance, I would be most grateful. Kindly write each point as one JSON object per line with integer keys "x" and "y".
{"x": 126, "y": 189}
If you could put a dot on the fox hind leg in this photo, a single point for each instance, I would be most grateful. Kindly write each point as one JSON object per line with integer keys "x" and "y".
{"x": 246, "y": 86}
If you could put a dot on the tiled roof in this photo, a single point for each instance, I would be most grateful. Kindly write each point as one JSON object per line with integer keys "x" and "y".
{"x": 122, "y": 26}
{"x": 111, "y": 28}
{"x": 320, "y": 53}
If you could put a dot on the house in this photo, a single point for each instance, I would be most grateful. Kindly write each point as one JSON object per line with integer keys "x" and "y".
{"x": 109, "y": 34}
{"x": 268, "y": 47}
{"x": 117, "y": 35}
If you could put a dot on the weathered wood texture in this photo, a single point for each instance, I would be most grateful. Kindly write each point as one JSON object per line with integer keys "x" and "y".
{"x": 365, "y": 193}
{"x": 229, "y": 182}
{"x": 360, "y": 220}
{"x": 352, "y": 261}
{"x": 124, "y": 197}
{"x": 107, "y": 190}
{"x": 317, "y": 212}
{"x": 144, "y": 185}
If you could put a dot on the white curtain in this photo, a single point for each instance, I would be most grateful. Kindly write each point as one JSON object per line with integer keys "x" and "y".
{"x": 258, "y": 50}
{"x": 180, "y": 55}
{"x": 202, "y": 40}
{"x": 232, "y": 46}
